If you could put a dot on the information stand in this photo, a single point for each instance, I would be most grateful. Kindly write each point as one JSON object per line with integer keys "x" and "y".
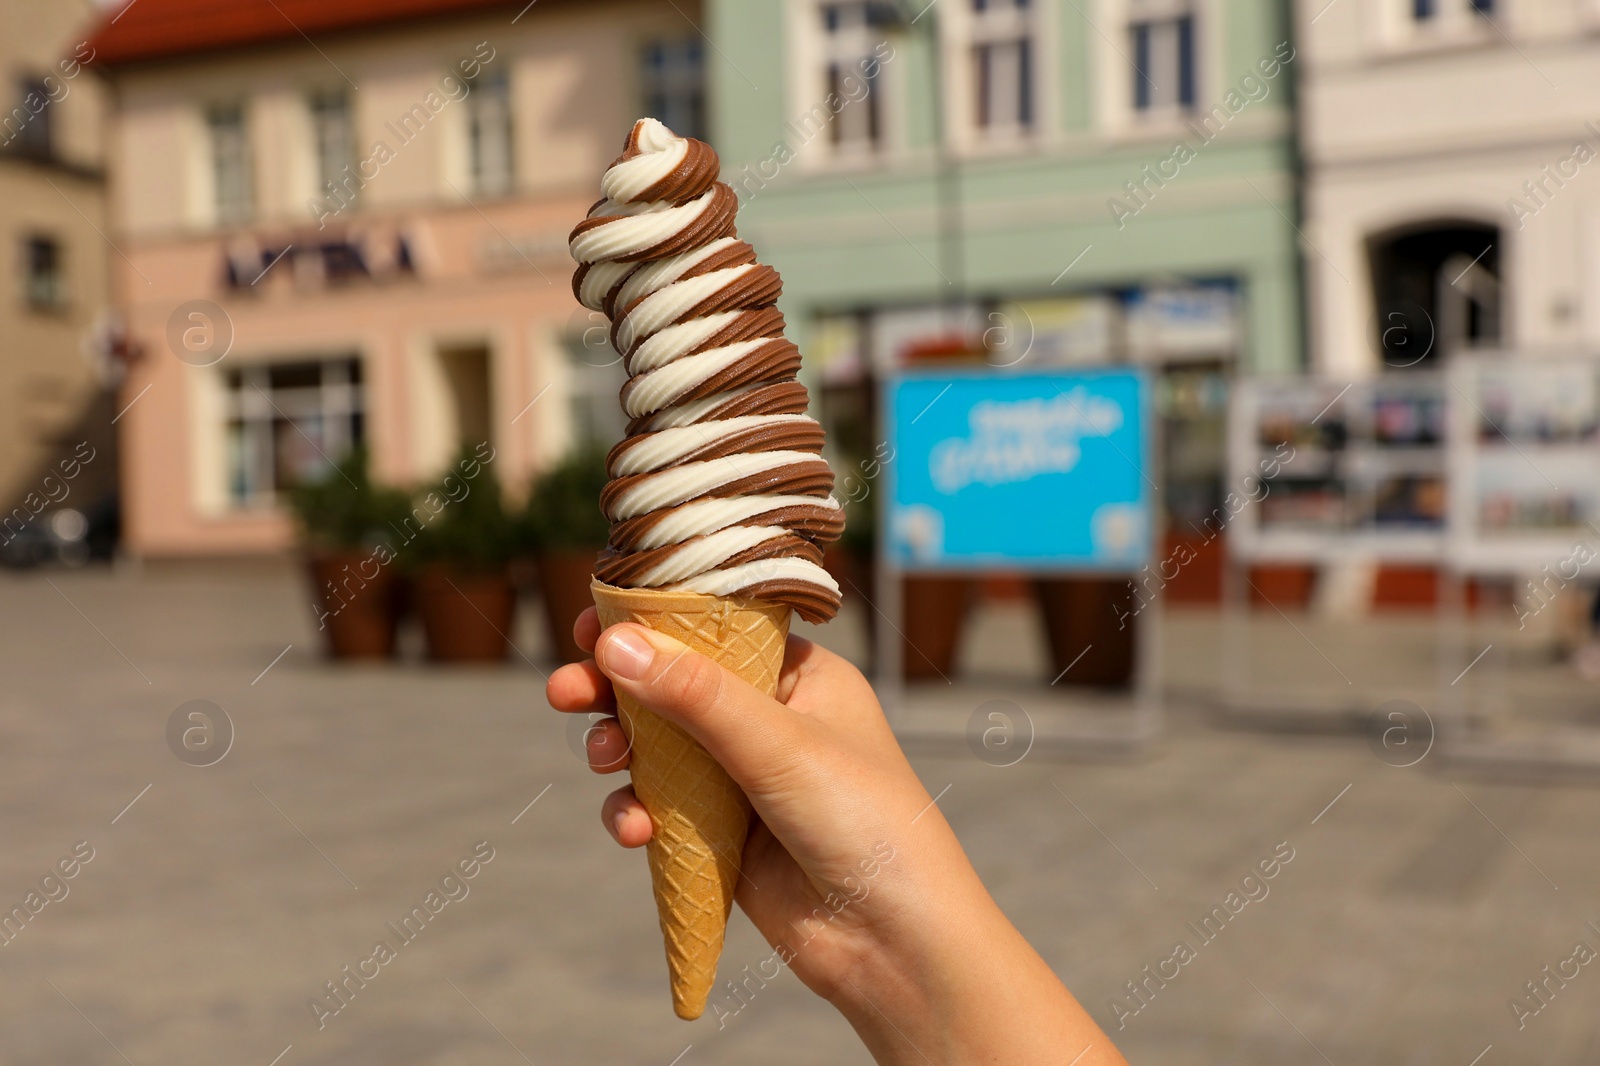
{"x": 1524, "y": 465}
{"x": 1049, "y": 473}
{"x": 1332, "y": 473}
{"x": 1489, "y": 470}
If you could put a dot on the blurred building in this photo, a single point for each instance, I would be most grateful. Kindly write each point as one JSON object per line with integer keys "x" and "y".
{"x": 1450, "y": 192}
{"x": 53, "y": 274}
{"x": 1044, "y": 182}
{"x": 1450, "y": 207}
{"x": 346, "y": 223}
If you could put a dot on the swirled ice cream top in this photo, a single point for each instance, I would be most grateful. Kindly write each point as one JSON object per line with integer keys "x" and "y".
{"x": 719, "y": 485}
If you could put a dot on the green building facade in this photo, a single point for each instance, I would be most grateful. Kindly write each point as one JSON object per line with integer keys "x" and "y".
{"x": 1053, "y": 182}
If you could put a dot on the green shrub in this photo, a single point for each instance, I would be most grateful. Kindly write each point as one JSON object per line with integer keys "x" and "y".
{"x": 467, "y": 526}
{"x": 563, "y": 509}
{"x": 344, "y": 508}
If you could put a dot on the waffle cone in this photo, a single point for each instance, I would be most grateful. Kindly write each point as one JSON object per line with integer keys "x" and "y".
{"x": 699, "y": 816}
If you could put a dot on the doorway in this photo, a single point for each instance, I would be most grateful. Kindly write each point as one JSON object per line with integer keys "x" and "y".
{"x": 1436, "y": 287}
{"x": 466, "y": 375}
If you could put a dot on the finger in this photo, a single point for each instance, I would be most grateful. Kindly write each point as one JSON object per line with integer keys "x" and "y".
{"x": 580, "y": 687}
{"x": 755, "y": 738}
{"x": 625, "y": 818}
{"x": 607, "y": 746}
{"x": 586, "y": 629}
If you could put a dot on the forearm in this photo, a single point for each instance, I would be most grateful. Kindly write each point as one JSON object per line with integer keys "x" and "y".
{"x": 957, "y": 983}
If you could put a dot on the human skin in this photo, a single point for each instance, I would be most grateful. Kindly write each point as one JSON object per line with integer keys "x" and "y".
{"x": 921, "y": 962}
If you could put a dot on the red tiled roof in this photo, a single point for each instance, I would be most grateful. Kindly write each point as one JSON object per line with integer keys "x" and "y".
{"x": 160, "y": 29}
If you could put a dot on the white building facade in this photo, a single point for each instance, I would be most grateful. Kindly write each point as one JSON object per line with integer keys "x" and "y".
{"x": 1452, "y": 193}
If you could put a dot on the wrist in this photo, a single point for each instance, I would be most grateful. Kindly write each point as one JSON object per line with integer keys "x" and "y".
{"x": 942, "y": 975}
{"x": 924, "y": 958}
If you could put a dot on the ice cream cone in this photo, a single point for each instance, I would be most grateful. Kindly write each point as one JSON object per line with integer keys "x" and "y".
{"x": 699, "y": 816}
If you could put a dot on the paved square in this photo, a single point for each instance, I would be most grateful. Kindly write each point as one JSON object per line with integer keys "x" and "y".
{"x": 220, "y": 899}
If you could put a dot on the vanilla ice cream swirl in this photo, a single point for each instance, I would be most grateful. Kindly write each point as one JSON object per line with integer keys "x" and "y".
{"x": 719, "y": 486}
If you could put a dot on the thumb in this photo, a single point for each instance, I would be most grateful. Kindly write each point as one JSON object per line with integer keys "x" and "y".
{"x": 752, "y": 735}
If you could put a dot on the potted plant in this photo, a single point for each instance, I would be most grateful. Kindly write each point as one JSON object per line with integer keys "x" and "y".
{"x": 463, "y": 589}
{"x": 1086, "y": 649}
{"x": 345, "y": 533}
{"x": 564, "y": 529}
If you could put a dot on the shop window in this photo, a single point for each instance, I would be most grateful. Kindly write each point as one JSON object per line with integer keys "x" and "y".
{"x": 41, "y": 272}
{"x": 489, "y": 134}
{"x": 232, "y": 190}
{"x": 288, "y": 422}
{"x": 672, "y": 75}
{"x": 1162, "y": 39}
{"x": 1004, "y": 56}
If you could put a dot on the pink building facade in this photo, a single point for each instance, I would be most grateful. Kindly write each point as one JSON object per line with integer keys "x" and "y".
{"x": 361, "y": 239}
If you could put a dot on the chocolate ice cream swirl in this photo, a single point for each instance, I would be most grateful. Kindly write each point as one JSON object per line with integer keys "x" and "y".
{"x": 719, "y": 486}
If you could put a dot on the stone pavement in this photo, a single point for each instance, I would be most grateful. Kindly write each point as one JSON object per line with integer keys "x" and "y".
{"x": 220, "y": 898}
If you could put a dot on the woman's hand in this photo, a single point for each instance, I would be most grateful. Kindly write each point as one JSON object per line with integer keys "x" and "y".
{"x": 850, "y": 871}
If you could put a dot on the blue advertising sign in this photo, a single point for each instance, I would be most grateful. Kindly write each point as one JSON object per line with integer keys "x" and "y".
{"x": 1044, "y": 471}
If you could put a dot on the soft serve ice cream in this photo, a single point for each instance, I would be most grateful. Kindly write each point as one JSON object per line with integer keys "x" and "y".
{"x": 719, "y": 486}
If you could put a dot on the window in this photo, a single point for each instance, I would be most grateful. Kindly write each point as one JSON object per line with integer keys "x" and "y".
{"x": 27, "y": 127}
{"x": 41, "y": 271}
{"x": 595, "y": 376}
{"x": 230, "y": 163}
{"x": 1442, "y": 20}
{"x": 334, "y": 132}
{"x": 289, "y": 422}
{"x": 489, "y": 133}
{"x": 851, "y": 35}
{"x": 1163, "y": 64}
{"x": 673, "y": 78}
{"x": 1003, "y": 59}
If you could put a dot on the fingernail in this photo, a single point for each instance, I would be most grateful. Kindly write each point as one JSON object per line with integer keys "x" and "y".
{"x": 627, "y": 655}
{"x": 617, "y": 820}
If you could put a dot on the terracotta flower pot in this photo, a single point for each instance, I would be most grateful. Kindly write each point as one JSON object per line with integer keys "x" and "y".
{"x": 854, "y": 575}
{"x": 1092, "y": 613}
{"x": 933, "y": 615}
{"x": 467, "y": 616}
{"x": 1287, "y": 587}
{"x": 564, "y": 576}
{"x": 357, "y": 603}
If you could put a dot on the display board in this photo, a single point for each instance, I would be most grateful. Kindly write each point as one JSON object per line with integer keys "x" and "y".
{"x": 1043, "y": 471}
{"x": 1327, "y": 471}
{"x": 1525, "y": 464}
